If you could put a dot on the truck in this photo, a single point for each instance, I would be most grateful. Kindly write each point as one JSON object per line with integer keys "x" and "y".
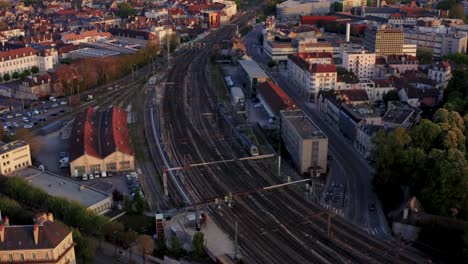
{"x": 237, "y": 96}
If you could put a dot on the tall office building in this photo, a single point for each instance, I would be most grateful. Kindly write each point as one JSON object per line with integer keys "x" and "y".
{"x": 384, "y": 40}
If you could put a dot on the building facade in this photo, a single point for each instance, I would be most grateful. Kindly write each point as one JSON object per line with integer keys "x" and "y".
{"x": 308, "y": 78}
{"x": 14, "y": 156}
{"x": 305, "y": 142}
{"x": 384, "y": 41}
{"x": 360, "y": 63}
{"x": 292, "y": 10}
{"x": 441, "y": 72}
{"x": 46, "y": 241}
{"x": 440, "y": 44}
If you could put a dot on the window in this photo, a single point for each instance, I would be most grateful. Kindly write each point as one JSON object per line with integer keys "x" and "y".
{"x": 96, "y": 167}
{"x": 111, "y": 166}
{"x": 10, "y": 256}
{"x": 46, "y": 255}
{"x": 80, "y": 169}
{"x": 22, "y": 256}
{"x": 34, "y": 256}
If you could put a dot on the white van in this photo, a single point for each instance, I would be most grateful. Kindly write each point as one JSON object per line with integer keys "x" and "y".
{"x": 103, "y": 174}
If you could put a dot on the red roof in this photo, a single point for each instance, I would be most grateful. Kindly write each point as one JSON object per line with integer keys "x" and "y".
{"x": 321, "y": 68}
{"x": 315, "y": 55}
{"x": 17, "y": 53}
{"x": 89, "y": 137}
{"x": 275, "y": 97}
{"x": 120, "y": 130}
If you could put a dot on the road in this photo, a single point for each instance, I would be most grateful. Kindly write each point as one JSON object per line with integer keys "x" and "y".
{"x": 348, "y": 168}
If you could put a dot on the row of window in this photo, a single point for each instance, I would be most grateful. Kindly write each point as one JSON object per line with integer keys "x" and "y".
{"x": 111, "y": 166}
{"x": 21, "y": 257}
{"x": 21, "y": 157}
{"x": 24, "y": 164}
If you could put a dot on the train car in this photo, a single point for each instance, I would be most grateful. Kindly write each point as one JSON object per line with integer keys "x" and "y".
{"x": 245, "y": 142}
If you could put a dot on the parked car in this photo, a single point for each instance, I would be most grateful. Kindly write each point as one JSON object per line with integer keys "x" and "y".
{"x": 28, "y": 126}
{"x": 10, "y": 116}
{"x": 63, "y": 102}
{"x": 110, "y": 174}
{"x": 54, "y": 105}
{"x": 91, "y": 176}
{"x": 53, "y": 99}
{"x": 18, "y": 114}
{"x": 103, "y": 174}
{"x": 64, "y": 160}
{"x": 96, "y": 174}
{"x": 64, "y": 165}
{"x": 85, "y": 177}
{"x": 63, "y": 154}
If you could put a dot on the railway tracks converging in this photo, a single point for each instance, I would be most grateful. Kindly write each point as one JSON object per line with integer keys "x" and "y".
{"x": 274, "y": 227}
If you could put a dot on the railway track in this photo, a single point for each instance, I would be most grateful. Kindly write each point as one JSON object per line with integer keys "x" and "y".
{"x": 275, "y": 227}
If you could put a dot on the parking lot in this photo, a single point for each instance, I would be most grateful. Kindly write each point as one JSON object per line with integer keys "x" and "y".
{"x": 37, "y": 114}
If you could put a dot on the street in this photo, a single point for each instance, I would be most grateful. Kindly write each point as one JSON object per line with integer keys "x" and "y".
{"x": 348, "y": 166}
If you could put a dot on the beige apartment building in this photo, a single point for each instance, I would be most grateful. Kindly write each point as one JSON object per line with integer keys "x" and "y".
{"x": 384, "y": 40}
{"x": 14, "y": 156}
{"x": 44, "y": 242}
{"x": 305, "y": 142}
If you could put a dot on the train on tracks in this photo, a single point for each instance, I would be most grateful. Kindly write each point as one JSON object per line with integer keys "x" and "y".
{"x": 245, "y": 142}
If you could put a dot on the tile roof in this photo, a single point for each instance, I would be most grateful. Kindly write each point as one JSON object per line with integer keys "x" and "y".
{"x": 100, "y": 134}
{"x": 17, "y": 53}
{"x": 352, "y": 95}
{"x": 322, "y": 68}
{"x": 275, "y": 97}
{"x": 51, "y": 234}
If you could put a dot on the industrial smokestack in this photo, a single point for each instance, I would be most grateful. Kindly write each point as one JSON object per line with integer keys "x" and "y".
{"x": 378, "y": 3}
{"x": 348, "y": 32}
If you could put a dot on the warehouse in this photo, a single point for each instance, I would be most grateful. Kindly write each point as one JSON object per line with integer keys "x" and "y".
{"x": 305, "y": 142}
{"x": 254, "y": 72}
{"x": 100, "y": 142}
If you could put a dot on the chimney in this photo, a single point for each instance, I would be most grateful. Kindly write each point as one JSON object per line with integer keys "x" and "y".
{"x": 50, "y": 217}
{"x": 36, "y": 234}
{"x": 348, "y": 32}
{"x": 6, "y": 222}
{"x": 2, "y": 233}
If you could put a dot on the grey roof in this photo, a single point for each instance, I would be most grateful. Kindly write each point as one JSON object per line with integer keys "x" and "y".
{"x": 7, "y": 147}
{"x": 303, "y": 124}
{"x": 253, "y": 69}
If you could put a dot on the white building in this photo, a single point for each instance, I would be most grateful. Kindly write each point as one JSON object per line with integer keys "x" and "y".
{"x": 292, "y": 10}
{"x": 310, "y": 79}
{"x": 12, "y": 32}
{"x": 85, "y": 37}
{"x": 360, "y": 63}
{"x": 440, "y": 44}
{"x": 442, "y": 73}
{"x": 47, "y": 59}
{"x": 17, "y": 60}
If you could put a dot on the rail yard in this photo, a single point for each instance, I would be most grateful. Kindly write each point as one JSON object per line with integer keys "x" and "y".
{"x": 278, "y": 226}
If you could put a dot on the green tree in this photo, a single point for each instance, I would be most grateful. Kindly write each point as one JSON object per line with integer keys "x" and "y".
{"x": 35, "y": 69}
{"x": 457, "y": 11}
{"x": 26, "y": 135}
{"x": 161, "y": 247}
{"x": 425, "y": 134}
{"x": 139, "y": 202}
{"x": 15, "y": 75}
{"x": 126, "y": 10}
{"x": 85, "y": 249}
{"x": 6, "y": 77}
{"x": 111, "y": 228}
{"x": 424, "y": 56}
{"x": 445, "y": 191}
{"x": 336, "y": 7}
{"x": 176, "y": 249}
{"x": 198, "y": 243}
{"x": 391, "y": 95}
{"x": 341, "y": 71}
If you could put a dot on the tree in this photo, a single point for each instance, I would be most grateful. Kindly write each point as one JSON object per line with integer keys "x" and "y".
{"x": 85, "y": 249}
{"x": 139, "y": 202}
{"x": 457, "y": 11}
{"x": 424, "y": 56}
{"x": 176, "y": 249}
{"x": 161, "y": 250}
{"x": 110, "y": 229}
{"x": 341, "y": 71}
{"x": 126, "y": 10}
{"x": 391, "y": 95}
{"x": 15, "y": 75}
{"x": 2, "y": 133}
{"x": 198, "y": 243}
{"x": 146, "y": 245}
{"x": 117, "y": 196}
{"x": 26, "y": 135}
{"x": 6, "y": 77}
{"x": 173, "y": 39}
{"x": 425, "y": 134}
{"x": 336, "y": 7}
{"x": 35, "y": 69}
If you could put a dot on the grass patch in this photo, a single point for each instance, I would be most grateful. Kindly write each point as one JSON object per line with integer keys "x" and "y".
{"x": 217, "y": 81}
